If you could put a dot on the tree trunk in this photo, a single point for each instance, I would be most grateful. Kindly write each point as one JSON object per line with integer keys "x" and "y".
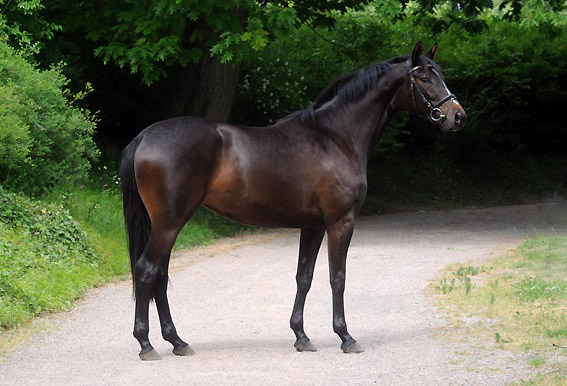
{"x": 206, "y": 89}
{"x": 217, "y": 86}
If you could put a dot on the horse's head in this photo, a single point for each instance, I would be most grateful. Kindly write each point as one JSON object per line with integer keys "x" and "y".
{"x": 427, "y": 94}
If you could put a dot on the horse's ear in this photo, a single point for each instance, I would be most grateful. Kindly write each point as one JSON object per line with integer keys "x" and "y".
{"x": 417, "y": 51}
{"x": 432, "y": 52}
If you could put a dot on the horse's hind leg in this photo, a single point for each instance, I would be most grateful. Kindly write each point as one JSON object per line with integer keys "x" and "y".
{"x": 151, "y": 282}
{"x": 168, "y": 330}
{"x": 309, "y": 244}
{"x": 150, "y": 275}
{"x": 151, "y": 271}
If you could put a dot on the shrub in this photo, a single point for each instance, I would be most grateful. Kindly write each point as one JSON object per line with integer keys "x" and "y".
{"x": 44, "y": 139}
{"x": 45, "y": 258}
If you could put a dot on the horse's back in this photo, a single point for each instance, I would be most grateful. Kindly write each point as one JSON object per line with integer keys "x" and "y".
{"x": 177, "y": 134}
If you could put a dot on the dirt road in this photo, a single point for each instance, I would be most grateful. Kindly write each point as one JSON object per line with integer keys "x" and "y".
{"x": 233, "y": 308}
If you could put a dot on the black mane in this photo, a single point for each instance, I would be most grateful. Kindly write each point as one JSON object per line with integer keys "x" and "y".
{"x": 349, "y": 88}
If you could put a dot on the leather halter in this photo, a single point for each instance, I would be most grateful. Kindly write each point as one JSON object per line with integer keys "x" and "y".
{"x": 435, "y": 112}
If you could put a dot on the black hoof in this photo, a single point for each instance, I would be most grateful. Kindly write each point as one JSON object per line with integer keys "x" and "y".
{"x": 351, "y": 348}
{"x": 305, "y": 345}
{"x": 183, "y": 351}
{"x": 149, "y": 355}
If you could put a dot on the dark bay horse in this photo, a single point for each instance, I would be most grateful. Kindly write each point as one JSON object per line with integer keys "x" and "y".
{"x": 307, "y": 171}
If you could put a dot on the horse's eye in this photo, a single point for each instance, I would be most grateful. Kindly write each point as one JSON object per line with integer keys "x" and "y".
{"x": 425, "y": 79}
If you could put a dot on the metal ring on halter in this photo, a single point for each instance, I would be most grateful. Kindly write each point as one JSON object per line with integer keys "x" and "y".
{"x": 433, "y": 113}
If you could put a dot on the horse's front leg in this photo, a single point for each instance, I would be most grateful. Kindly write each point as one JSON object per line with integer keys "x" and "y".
{"x": 340, "y": 234}
{"x": 309, "y": 244}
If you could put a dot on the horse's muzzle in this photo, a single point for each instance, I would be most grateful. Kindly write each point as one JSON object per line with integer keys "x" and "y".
{"x": 454, "y": 119}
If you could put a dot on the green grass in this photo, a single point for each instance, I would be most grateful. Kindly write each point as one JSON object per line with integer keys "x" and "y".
{"x": 46, "y": 259}
{"x": 545, "y": 250}
{"x": 100, "y": 214}
{"x": 524, "y": 296}
{"x": 537, "y": 362}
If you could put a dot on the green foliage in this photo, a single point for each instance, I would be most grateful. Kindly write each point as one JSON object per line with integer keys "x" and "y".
{"x": 557, "y": 333}
{"x": 15, "y": 141}
{"x": 46, "y": 260}
{"x": 44, "y": 138}
{"x": 152, "y": 37}
{"x": 271, "y": 90}
{"x": 22, "y": 22}
{"x": 537, "y": 362}
{"x": 510, "y": 96}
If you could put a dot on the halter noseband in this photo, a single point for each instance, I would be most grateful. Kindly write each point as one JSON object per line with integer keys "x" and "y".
{"x": 435, "y": 113}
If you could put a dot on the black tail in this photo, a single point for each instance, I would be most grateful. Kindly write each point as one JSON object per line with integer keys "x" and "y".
{"x": 136, "y": 218}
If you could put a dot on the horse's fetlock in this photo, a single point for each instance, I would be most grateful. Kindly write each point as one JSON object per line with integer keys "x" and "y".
{"x": 340, "y": 327}
{"x": 168, "y": 332}
{"x": 296, "y": 323}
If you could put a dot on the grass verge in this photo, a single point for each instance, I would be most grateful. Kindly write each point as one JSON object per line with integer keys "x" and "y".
{"x": 46, "y": 260}
{"x": 519, "y": 302}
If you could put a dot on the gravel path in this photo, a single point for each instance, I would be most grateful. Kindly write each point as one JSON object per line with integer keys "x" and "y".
{"x": 232, "y": 304}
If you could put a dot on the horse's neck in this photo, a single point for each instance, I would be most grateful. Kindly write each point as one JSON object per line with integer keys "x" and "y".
{"x": 362, "y": 122}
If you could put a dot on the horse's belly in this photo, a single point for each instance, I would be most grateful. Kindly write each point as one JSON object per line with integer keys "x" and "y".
{"x": 263, "y": 209}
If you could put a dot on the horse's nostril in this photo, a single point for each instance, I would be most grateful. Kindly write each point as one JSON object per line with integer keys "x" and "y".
{"x": 459, "y": 118}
